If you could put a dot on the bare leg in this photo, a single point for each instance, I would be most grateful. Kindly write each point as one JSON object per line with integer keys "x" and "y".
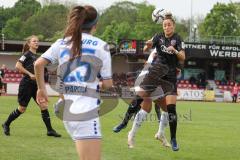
{"x": 89, "y": 149}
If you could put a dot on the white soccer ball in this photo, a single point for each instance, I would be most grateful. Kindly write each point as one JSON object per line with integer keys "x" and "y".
{"x": 158, "y": 15}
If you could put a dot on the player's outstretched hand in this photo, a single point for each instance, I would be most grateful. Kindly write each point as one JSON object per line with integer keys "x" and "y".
{"x": 149, "y": 43}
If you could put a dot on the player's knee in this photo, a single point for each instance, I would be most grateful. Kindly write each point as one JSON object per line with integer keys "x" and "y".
{"x": 43, "y": 107}
{"x": 147, "y": 105}
{"x": 22, "y": 109}
{"x": 147, "y": 100}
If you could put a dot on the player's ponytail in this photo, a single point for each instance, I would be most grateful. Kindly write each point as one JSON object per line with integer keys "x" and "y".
{"x": 74, "y": 29}
{"x": 25, "y": 48}
{"x": 80, "y": 19}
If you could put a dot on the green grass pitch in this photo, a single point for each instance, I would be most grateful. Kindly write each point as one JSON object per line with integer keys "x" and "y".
{"x": 206, "y": 131}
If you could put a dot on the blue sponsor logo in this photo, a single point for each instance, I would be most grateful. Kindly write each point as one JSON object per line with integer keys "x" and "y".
{"x": 88, "y": 50}
{"x": 80, "y": 74}
{"x": 75, "y": 89}
{"x": 89, "y": 42}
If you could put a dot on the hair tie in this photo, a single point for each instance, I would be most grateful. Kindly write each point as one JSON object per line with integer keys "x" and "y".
{"x": 90, "y": 24}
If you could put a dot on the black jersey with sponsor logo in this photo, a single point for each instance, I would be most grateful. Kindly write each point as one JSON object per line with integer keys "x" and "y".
{"x": 161, "y": 43}
{"x": 27, "y": 60}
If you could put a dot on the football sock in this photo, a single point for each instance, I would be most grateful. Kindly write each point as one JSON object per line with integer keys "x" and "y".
{"x": 157, "y": 110}
{"x": 172, "y": 114}
{"x": 46, "y": 119}
{"x": 133, "y": 108}
{"x": 139, "y": 118}
{"x": 163, "y": 123}
{"x": 12, "y": 116}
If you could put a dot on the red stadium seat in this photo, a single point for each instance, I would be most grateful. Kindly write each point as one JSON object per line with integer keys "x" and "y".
{"x": 6, "y": 75}
{"x": 225, "y": 87}
{"x": 232, "y": 83}
{"x": 18, "y": 75}
{"x": 194, "y": 86}
{"x": 6, "y": 71}
{"x": 9, "y": 71}
{"x": 11, "y": 75}
{"x": 19, "y": 79}
{"x": 13, "y": 80}
{"x": 7, "y": 80}
{"x": 220, "y": 87}
{"x": 182, "y": 81}
{"x": 179, "y": 85}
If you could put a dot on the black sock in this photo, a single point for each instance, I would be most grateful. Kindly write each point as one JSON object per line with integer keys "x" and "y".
{"x": 157, "y": 110}
{"x": 133, "y": 108}
{"x": 172, "y": 119}
{"x": 46, "y": 119}
{"x": 15, "y": 114}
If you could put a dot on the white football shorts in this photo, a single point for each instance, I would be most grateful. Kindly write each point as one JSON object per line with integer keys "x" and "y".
{"x": 79, "y": 130}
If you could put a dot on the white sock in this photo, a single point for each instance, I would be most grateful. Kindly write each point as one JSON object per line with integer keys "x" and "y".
{"x": 139, "y": 118}
{"x": 163, "y": 123}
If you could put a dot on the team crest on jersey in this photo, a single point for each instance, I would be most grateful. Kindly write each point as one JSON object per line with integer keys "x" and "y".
{"x": 173, "y": 42}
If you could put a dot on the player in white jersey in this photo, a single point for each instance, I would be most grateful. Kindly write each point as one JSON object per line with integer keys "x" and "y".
{"x": 80, "y": 58}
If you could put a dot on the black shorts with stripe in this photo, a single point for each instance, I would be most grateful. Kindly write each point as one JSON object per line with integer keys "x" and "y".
{"x": 158, "y": 76}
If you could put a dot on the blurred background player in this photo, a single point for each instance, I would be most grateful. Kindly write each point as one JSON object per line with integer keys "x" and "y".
{"x": 3, "y": 85}
{"x": 28, "y": 87}
{"x": 234, "y": 93}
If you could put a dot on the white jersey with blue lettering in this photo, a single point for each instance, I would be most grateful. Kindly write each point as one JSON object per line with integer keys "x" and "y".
{"x": 95, "y": 60}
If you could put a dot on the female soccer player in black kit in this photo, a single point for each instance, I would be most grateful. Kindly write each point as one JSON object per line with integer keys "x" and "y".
{"x": 170, "y": 51}
{"x": 28, "y": 87}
